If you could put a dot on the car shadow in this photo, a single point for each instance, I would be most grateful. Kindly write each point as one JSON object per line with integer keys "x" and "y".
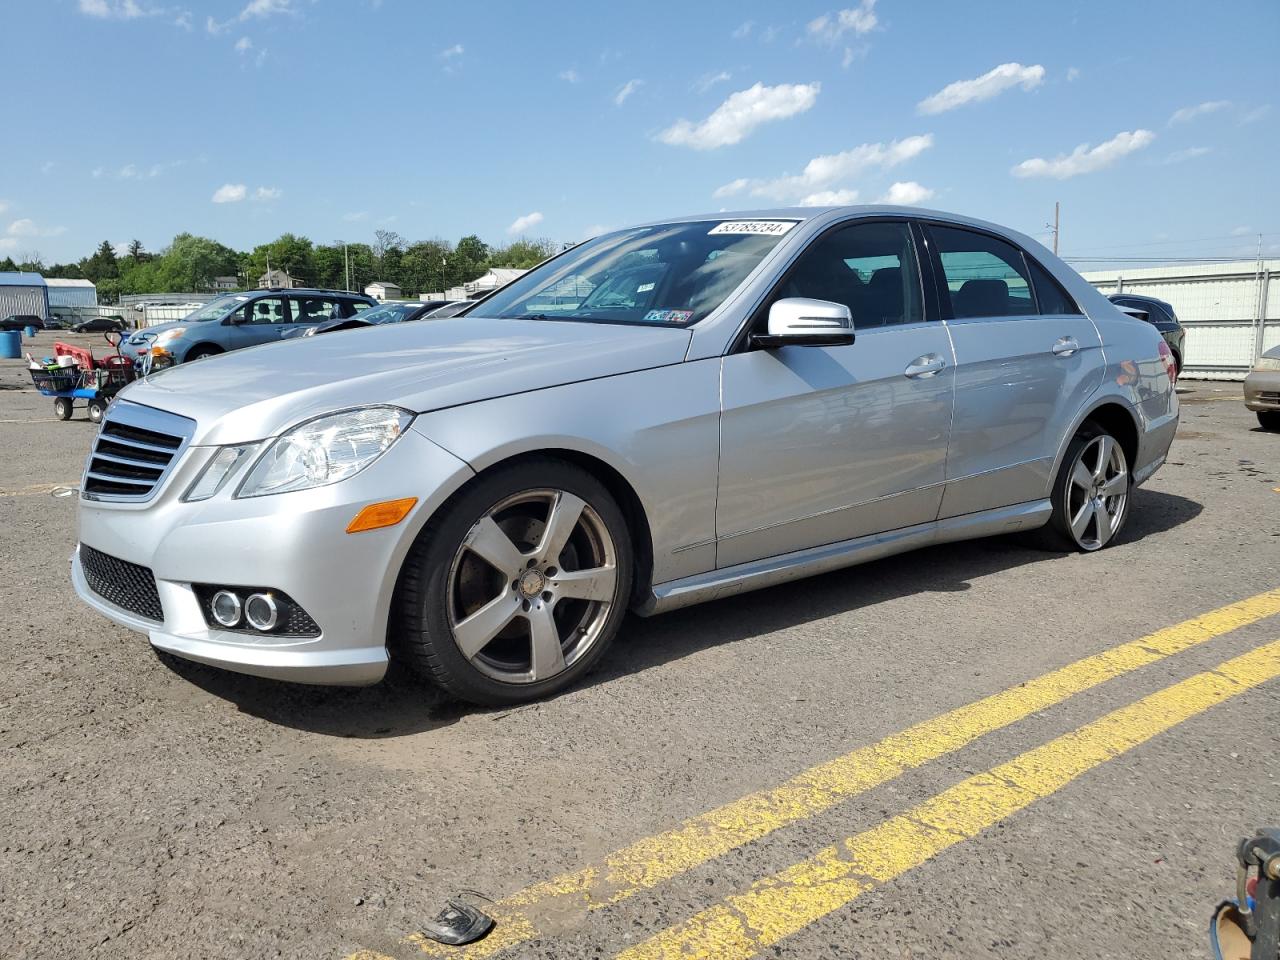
{"x": 402, "y": 705}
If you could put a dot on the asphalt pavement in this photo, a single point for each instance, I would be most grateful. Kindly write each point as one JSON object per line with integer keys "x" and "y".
{"x": 978, "y": 750}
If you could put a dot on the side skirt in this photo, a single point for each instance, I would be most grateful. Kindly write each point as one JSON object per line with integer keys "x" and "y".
{"x": 771, "y": 571}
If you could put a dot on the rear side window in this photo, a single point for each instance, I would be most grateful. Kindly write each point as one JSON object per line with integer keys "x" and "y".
{"x": 1052, "y": 298}
{"x": 314, "y": 309}
{"x": 985, "y": 276}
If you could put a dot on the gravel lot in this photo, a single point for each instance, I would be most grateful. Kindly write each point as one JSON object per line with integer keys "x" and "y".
{"x": 154, "y": 813}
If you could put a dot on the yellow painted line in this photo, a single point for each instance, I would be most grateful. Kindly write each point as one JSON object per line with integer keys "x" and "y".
{"x": 656, "y": 859}
{"x": 780, "y": 905}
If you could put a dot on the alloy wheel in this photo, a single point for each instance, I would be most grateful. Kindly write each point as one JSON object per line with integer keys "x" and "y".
{"x": 1097, "y": 492}
{"x": 531, "y": 586}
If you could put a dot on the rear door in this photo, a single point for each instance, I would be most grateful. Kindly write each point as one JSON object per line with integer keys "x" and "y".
{"x": 1027, "y": 358}
{"x": 310, "y": 310}
{"x": 823, "y": 444}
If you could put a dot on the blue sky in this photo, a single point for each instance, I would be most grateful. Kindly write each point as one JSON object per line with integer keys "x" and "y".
{"x": 241, "y": 119}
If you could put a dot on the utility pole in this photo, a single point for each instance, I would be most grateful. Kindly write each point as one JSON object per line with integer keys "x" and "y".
{"x": 1055, "y": 227}
{"x": 346, "y": 260}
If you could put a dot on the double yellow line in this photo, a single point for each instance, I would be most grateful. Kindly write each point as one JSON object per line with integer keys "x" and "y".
{"x": 780, "y": 905}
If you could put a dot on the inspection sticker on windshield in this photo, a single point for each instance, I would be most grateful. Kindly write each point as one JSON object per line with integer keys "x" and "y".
{"x": 667, "y": 316}
{"x": 767, "y": 228}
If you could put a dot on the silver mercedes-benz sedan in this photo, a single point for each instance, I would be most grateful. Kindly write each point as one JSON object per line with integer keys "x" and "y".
{"x": 663, "y": 415}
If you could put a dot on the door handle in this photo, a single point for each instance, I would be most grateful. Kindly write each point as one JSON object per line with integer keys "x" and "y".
{"x": 930, "y": 365}
{"x": 1065, "y": 346}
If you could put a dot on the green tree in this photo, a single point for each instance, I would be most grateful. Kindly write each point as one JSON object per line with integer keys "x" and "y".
{"x": 65, "y": 271}
{"x": 190, "y": 263}
{"x": 102, "y": 264}
{"x": 422, "y": 267}
{"x": 8, "y": 266}
{"x": 293, "y": 254}
{"x": 522, "y": 253}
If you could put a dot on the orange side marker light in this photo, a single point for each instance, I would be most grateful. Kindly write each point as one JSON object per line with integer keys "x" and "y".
{"x": 378, "y": 515}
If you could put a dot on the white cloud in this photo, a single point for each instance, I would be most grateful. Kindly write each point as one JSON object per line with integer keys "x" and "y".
{"x": 266, "y": 194}
{"x": 356, "y": 216}
{"x": 1257, "y": 113}
{"x": 570, "y": 76}
{"x": 830, "y": 27}
{"x": 521, "y": 224}
{"x": 183, "y": 20}
{"x": 830, "y": 170}
{"x": 117, "y": 10}
{"x": 741, "y": 113}
{"x": 906, "y": 194}
{"x": 709, "y": 80}
{"x": 991, "y": 83}
{"x": 29, "y": 228}
{"x": 244, "y": 45}
{"x": 1085, "y": 159}
{"x": 266, "y": 8}
{"x": 1241, "y": 231}
{"x": 214, "y": 27}
{"x": 743, "y": 30}
{"x": 1073, "y": 74}
{"x": 626, "y": 90}
{"x": 596, "y": 230}
{"x": 1190, "y": 153}
{"x": 1199, "y": 110}
{"x": 229, "y": 193}
{"x": 457, "y": 50}
{"x": 830, "y": 198}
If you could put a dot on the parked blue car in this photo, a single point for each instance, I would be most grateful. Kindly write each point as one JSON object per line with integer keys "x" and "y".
{"x": 244, "y": 320}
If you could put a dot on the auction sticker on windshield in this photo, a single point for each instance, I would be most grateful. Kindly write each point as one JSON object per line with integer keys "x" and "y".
{"x": 768, "y": 228}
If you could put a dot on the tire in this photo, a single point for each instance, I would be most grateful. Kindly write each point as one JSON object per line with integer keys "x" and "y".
{"x": 62, "y": 408}
{"x": 1099, "y": 515}
{"x": 495, "y": 658}
{"x": 201, "y": 353}
{"x": 1269, "y": 420}
{"x": 96, "y": 410}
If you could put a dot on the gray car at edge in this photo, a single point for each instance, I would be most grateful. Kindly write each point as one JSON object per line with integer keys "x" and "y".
{"x": 660, "y": 416}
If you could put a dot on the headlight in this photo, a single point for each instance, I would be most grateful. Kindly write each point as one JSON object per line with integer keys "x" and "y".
{"x": 216, "y": 472}
{"x": 325, "y": 450}
{"x": 164, "y": 336}
{"x": 1267, "y": 363}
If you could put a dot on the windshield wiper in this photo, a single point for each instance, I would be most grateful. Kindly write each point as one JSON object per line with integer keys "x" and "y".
{"x": 541, "y": 316}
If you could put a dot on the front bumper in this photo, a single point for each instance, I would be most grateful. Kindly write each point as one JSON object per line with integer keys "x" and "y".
{"x": 1262, "y": 390}
{"x": 293, "y": 542}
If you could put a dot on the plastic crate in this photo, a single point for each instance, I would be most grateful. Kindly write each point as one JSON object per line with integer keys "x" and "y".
{"x": 62, "y": 380}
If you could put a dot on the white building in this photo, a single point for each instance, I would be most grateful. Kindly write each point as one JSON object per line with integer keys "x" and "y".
{"x": 71, "y": 293}
{"x": 495, "y": 278}
{"x": 1231, "y": 310}
{"x": 383, "y": 290}
{"x": 225, "y": 284}
{"x": 276, "y": 279}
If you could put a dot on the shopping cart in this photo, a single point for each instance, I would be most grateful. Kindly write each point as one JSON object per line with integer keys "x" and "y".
{"x": 96, "y": 382}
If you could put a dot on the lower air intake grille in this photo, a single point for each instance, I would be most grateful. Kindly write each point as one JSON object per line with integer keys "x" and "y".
{"x": 125, "y": 584}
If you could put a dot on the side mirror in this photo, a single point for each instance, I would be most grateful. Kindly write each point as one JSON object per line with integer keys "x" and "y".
{"x": 234, "y": 319}
{"x": 801, "y": 322}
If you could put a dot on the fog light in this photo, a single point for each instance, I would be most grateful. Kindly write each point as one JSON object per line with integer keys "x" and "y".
{"x": 261, "y": 612}
{"x": 226, "y": 608}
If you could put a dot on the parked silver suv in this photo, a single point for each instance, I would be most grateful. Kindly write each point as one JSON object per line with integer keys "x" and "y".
{"x": 664, "y": 415}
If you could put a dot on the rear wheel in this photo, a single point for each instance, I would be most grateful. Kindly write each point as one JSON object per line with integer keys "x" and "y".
{"x": 518, "y": 586}
{"x": 62, "y": 408}
{"x": 1269, "y": 420}
{"x": 1090, "y": 494}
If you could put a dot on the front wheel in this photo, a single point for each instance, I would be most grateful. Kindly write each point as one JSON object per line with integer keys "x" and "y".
{"x": 1269, "y": 420}
{"x": 96, "y": 410}
{"x": 62, "y": 408}
{"x": 517, "y": 587}
{"x": 1091, "y": 492}
{"x": 202, "y": 353}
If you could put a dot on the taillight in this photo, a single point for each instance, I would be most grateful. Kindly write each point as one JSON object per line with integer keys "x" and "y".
{"x": 1170, "y": 367}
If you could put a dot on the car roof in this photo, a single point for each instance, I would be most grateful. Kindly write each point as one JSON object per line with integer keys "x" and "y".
{"x": 343, "y": 293}
{"x": 802, "y": 214}
{"x": 1142, "y": 296}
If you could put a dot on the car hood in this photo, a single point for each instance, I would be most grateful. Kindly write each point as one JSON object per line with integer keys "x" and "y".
{"x": 257, "y": 393}
{"x": 157, "y": 328}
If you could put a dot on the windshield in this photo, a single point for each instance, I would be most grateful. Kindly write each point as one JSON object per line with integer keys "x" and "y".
{"x": 388, "y": 313}
{"x": 216, "y": 309}
{"x": 672, "y": 274}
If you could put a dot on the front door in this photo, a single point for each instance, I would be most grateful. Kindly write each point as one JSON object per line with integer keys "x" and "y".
{"x": 823, "y": 444}
{"x": 1027, "y": 359}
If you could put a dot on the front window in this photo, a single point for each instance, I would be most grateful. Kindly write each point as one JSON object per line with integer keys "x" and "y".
{"x": 217, "y": 309}
{"x": 672, "y": 274}
{"x": 388, "y": 313}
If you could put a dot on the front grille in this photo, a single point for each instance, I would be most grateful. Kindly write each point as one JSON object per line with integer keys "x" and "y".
{"x": 134, "y": 450}
{"x": 125, "y": 584}
{"x": 1269, "y": 396}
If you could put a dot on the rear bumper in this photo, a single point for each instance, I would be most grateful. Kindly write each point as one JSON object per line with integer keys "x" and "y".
{"x": 1262, "y": 390}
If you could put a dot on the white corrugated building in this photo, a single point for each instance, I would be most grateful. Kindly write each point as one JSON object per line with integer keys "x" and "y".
{"x": 1231, "y": 310}
{"x": 71, "y": 293}
{"x": 23, "y": 293}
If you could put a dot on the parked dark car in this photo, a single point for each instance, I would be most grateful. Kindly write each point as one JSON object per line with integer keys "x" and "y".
{"x": 386, "y": 313}
{"x": 18, "y": 321}
{"x": 244, "y": 320}
{"x": 1161, "y": 316}
{"x": 98, "y": 324}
